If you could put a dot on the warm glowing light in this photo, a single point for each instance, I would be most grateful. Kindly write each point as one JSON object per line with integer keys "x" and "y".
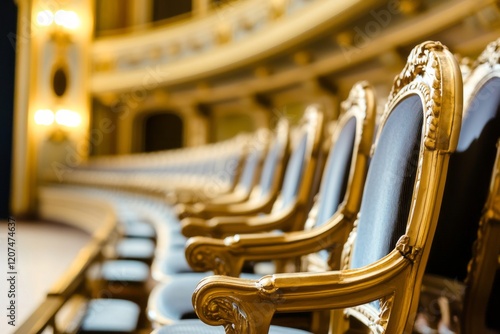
{"x": 44, "y": 117}
{"x": 68, "y": 118}
{"x": 67, "y": 19}
{"x": 45, "y": 18}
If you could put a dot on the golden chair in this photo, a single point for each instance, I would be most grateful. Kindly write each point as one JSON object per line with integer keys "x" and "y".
{"x": 465, "y": 195}
{"x": 385, "y": 256}
{"x": 328, "y": 224}
{"x": 483, "y": 279}
{"x": 455, "y": 306}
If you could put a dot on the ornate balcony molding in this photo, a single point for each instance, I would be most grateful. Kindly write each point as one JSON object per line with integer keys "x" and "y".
{"x": 230, "y": 37}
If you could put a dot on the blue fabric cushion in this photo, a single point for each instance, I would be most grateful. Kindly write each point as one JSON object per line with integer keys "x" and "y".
{"x": 293, "y": 174}
{"x": 173, "y": 262}
{"x": 467, "y": 185}
{"x": 336, "y": 174}
{"x": 139, "y": 230}
{"x": 389, "y": 185}
{"x": 198, "y": 327}
{"x": 135, "y": 248}
{"x": 125, "y": 271}
{"x": 110, "y": 316}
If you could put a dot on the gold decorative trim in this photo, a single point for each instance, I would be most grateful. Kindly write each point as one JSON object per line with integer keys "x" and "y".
{"x": 348, "y": 247}
{"x": 422, "y": 73}
{"x": 356, "y": 98}
{"x": 408, "y": 252}
{"x": 204, "y": 259}
{"x": 385, "y": 310}
{"x": 490, "y": 55}
{"x": 222, "y": 309}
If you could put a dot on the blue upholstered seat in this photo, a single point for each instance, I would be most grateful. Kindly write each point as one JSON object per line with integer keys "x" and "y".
{"x": 198, "y": 327}
{"x": 138, "y": 230}
{"x": 135, "y": 248}
{"x": 125, "y": 271}
{"x": 172, "y": 263}
{"x": 110, "y": 316}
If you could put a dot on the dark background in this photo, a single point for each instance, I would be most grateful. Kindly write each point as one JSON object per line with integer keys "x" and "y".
{"x": 8, "y": 22}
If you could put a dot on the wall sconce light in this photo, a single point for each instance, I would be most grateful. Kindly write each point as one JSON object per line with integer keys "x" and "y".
{"x": 67, "y": 19}
{"x": 44, "y": 117}
{"x": 64, "y": 18}
{"x": 62, "y": 117}
{"x": 68, "y": 118}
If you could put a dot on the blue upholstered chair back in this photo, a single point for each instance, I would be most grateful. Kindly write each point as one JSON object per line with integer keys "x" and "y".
{"x": 467, "y": 184}
{"x": 293, "y": 174}
{"x": 336, "y": 173}
{"x": 276, "y": 152}
{"x": 466, "y": 189}
{"x": 389, "y": 185}
{"x": 250, "y": 169}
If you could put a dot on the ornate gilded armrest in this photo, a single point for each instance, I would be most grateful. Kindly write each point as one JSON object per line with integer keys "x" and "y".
{"x": 227, "y": 256}
{"x": 220, "y": 227}
{"x": 247, "y": 306}
{"x": 211, "y": 210}
{"x": 191, "y": 227}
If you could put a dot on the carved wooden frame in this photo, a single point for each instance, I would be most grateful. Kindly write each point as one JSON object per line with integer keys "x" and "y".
{"x": 247, "y": 306}
{"x": 469, "y": 299}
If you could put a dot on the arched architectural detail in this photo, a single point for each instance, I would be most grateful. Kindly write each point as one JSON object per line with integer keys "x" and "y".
{"x": 157, "y": 129}
{"x": 162, "y": 131}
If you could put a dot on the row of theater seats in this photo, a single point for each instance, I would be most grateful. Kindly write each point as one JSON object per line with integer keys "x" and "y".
{"x": 405, "y": 217}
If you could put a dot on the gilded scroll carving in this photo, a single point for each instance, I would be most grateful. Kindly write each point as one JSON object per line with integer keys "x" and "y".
{"x": 348, "y": 247}
{"x": 490, "y": 55}
{"x": 407, "y": 251}
{"x": 422, "y": 73}
{"x": 357, "y": 97}
{"x": 205, "y": 258}
{"x": 228, "y": 312}
{"x": 385, "y": 310}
